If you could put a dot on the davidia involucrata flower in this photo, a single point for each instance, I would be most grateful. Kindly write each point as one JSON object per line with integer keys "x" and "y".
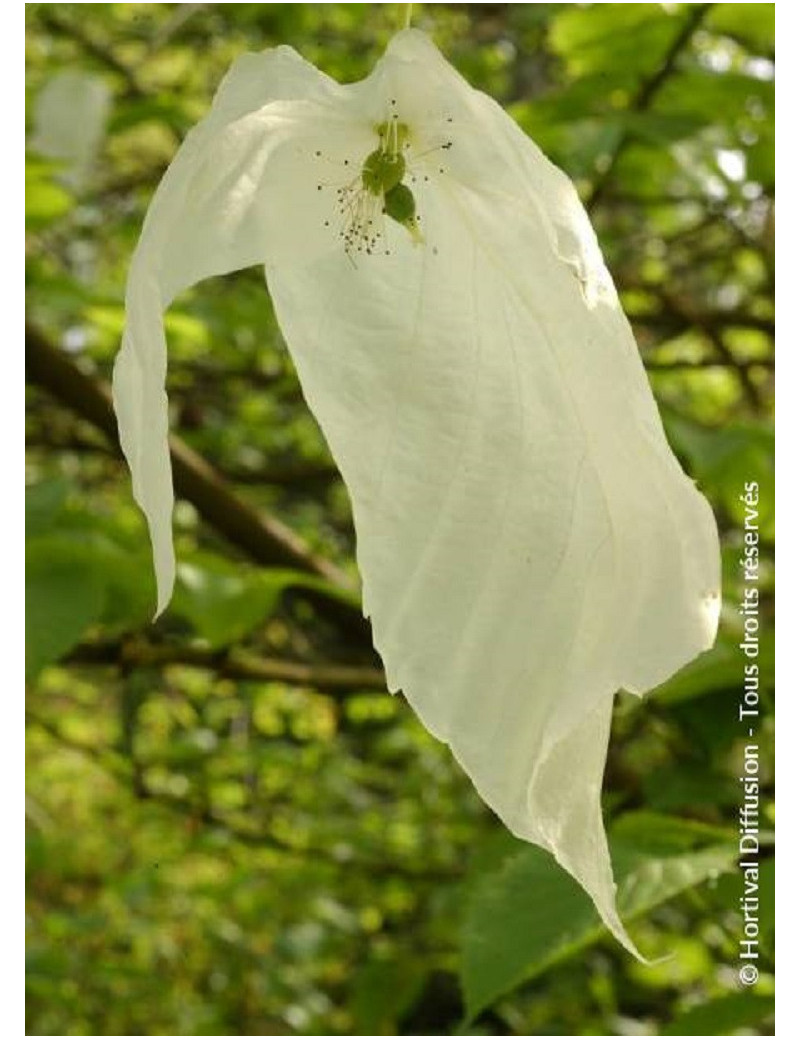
{"x": 527, "y": 541}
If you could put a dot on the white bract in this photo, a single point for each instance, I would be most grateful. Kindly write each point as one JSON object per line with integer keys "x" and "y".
{"x": 527, "y": 541}
{"x": 69, "y": 122}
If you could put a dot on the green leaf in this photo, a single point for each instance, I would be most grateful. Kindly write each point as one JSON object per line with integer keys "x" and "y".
{"x": 529, "y": 914}
{"x": 647, "y": 882}
{"x": 222, "y": 600}
{"x": 716, "y": 670}
{"x": 661, "y": 128}
{"x": 753, "y": 24}
{"x": 63, "y": 597}
{"x": 170, "y": 111}
{"x": 729, "y": 891}
{"x": 723, "y": 1015}
{"x": 225, "y": 601}
{"x": 77, "y": 575}
{"x": 766, "y": 895}
{"x": 383, "y": 990}
{"x": 128, "y": 584}
{"x": 688, "y": 785}
{"x": 45, "y": 201}
{"x": 658, "y": 833}
{"x": 723, "y": 459}
{"x": 43, "y": 503}
{"x": 619, "y": 40}
{"x": 739, "y": 99}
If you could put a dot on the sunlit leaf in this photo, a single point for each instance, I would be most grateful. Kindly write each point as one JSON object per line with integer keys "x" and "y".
{"x": 64, "y": 596}
{"x": 525, "y": 917}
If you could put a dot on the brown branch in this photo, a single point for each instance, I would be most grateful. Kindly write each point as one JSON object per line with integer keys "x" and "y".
{"x": 713, "y": 334}
{"x": 71, "y": 28}
{"x": 173, "y": 26}
{"x": 714, "y": 319}
{"x": 645, "y": 95}
{"x": 743, "y": 371}
{"x": 262, "y": 537}
{"x": 69, "y": 442}
{"x": 289, "y": 474}
{"x": 703, "y": 363}
{"x": 236, "y": 663}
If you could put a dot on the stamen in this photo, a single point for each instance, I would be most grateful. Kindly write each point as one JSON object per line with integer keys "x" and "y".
{"x": 381, "y": 190}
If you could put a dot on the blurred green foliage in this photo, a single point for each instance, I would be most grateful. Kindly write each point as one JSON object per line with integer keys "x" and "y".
{"x": 232, "y": 828}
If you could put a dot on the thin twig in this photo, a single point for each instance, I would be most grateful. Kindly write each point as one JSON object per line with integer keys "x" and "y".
{"x": 235, "y": 663}
{"x": 56, "y": 23}
{"x": 645, "y": 95}
{"x": 264, "y": 538}
{"x": 713, "y": 335}
{"x": 704, "y": 363}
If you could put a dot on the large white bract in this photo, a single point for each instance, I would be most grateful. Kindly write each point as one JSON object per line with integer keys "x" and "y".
{"x": 528, "y": 543}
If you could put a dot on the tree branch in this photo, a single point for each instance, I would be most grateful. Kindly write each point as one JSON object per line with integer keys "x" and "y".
{"x": 713, "y": 334}
{"x": 703, "y": 363}
{"x": 263, "y": 538}
{"x": 56, "y": 23}
{"x": 647, "y": 91}
{"x": 672, "y": 322}
{"x": 234, "y": 663}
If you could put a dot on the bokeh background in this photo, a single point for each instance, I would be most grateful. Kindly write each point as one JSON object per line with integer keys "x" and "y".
{"x": 232, "y": 828}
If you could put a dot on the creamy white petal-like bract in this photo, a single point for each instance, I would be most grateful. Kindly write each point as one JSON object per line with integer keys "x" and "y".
{"x": 69, "y": 122}
{"x": 527, "y": 541}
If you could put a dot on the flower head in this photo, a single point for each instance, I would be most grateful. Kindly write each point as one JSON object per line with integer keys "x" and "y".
{"x": 527, "y": 541}
{"x": 379, "y": 189}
